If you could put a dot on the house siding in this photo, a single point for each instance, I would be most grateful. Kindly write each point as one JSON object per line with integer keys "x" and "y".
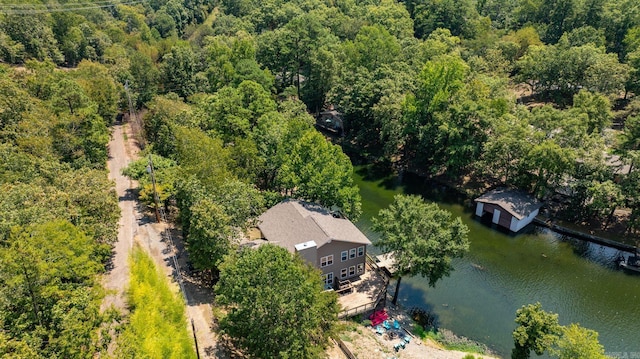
{"x": 517, "y": 225}
{"x": 336, "y": 248}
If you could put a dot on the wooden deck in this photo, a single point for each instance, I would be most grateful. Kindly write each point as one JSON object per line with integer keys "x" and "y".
{"x": 367, "y": 292}
{"x": 387, "y": 262}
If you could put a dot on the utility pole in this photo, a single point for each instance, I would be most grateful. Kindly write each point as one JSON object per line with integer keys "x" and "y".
{"x": 155, "y": 193}
{"x": 171, "y": 247}
{"x": 136, "y": 126}
{"x": 126, "y": 87}
{"x": 195, "y": 339}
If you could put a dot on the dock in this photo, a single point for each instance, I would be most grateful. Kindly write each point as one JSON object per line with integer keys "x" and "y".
{"x": 387, "y": 262}
{"x": 585, "y": 236}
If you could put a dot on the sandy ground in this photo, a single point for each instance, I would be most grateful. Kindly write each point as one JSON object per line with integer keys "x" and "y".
{"x": 157, "y": 240}
{"x": 365, "y": 343}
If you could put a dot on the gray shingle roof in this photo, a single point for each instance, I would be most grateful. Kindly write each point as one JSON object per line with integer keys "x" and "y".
{"x": 519, "y": 204}
{"x": 291, "y": 222}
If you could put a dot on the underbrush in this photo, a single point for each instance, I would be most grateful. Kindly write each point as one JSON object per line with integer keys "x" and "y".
{"x": 450, "y": 341}
{"x": 157, "y": 325}
{"x": 425, "y": 328}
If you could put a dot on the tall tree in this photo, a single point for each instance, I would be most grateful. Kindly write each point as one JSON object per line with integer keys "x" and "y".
{"x": 605, "y": 198}
{"x": 446, "y": 122}
{"x": 100, "y": 88}
{"x": 179, "y": 68}
{"x": 372, "y": 47}
{"x": 47, "y": 285}
{"x": 359, "y": 93}
{"x": 457, "y": 16}
{"x": 629, "y": 141}
{"x": 506, "y": 146}
{"x": 233, "y": 112}
{"x": 423, "y": 238}
{"x": 318, "y": 171}
{"x": 577, "y": 342}
{"x": 210, "y": 234}
{"x": 564, "y": 69}
{"x": 537, "y": 331}
{"x": 550, "y": 162}
{"x": 596, "y": 107}
{"x": 34, "y": 34}
{"x": 276, "y": 305}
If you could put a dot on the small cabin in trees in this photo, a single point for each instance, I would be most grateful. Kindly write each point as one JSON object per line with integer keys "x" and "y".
{"x": 325, "y": 238}
{"x": 330, "y": 120}
{"x": 510, "y": 209}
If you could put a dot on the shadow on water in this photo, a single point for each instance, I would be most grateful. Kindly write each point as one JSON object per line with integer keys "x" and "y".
{"x": 379, "y": 172}
{"x": 411, "y": 183}
{"x": 432, "y": 319}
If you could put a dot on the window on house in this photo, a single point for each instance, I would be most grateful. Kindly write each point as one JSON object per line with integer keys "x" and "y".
{"x": 344, "y": 255}
{"x": 328, "y": 279}
{"x": 360, "y": 268}
{"x": 343, "y": 273}
{"x": 352, "y": 271}
{"x": 360, "y": 251}
{"x": 326, "y": 261}
{"x": 352, "y": 253}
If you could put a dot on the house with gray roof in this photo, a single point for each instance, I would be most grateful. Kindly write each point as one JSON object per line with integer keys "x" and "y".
{"x": 326, "y": 239}
{"x": 508, "y": 208}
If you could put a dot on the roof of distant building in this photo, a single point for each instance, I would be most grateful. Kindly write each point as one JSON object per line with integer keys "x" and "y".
{"x": 518, "y": 203}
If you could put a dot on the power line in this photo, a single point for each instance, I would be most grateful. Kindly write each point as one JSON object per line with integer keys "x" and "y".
{"x": 14, "y": 9}
{"x": 161, "y": 214}
{"x": 50, "y": 5}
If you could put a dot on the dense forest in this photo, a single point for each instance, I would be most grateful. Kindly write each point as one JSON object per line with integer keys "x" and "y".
{"x": 536, "y": 94}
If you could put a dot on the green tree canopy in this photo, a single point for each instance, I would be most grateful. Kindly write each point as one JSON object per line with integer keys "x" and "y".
{"x": 179, "y": 68}
{"x": 318, "y": 171}
{"x": 577, "y": 342}
{"x": 423, "y": 238}
{"x": 276, "y": 305}
{"x": 49, "y": 290}
{"x": 537, "y": 331}
{"x": 566, "y": 69}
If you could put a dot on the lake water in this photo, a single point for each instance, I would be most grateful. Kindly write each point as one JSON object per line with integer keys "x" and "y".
{"x": 501, "y": 272}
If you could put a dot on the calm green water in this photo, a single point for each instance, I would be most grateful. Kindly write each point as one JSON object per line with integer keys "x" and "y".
{"x": 502, "y": 272}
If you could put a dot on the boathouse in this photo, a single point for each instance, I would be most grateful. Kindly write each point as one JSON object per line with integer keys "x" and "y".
{"x": 510, "y": 209}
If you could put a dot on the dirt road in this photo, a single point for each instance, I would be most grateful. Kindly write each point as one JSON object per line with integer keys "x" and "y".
{"x": 156, "y": 239}
{"x": 117, "y": 278}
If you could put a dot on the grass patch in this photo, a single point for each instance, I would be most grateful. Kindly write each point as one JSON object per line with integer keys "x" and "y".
{"x": 450, "y": 341}
{"x": 345, "y": 338}
{"x": 157, "y": 325}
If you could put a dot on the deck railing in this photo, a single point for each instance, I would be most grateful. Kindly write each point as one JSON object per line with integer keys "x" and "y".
{"x": 357, "y": 310}
{"x": 348, "y": 313}
{"x": 374, "y": 265}
{"x": 373, "y": 304}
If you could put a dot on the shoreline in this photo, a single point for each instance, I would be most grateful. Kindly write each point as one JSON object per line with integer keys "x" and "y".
{"x": 362, "y": 341}
{"x": 467, "y": 194}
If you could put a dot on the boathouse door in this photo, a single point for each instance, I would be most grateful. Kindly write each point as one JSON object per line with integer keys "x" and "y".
{"x": 496, "y": 216}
